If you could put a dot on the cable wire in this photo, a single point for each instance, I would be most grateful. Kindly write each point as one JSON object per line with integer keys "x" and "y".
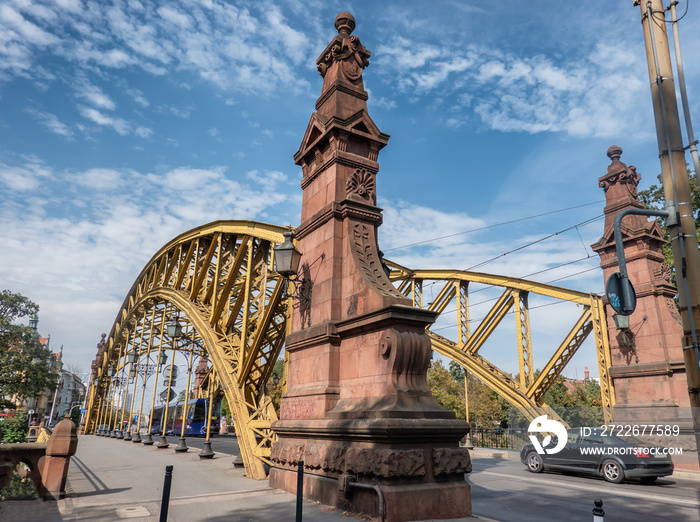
{"x": 492, "y": 226}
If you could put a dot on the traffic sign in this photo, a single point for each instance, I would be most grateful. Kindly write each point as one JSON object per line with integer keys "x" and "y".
{"x": 620, "y": 294}
{"x": 164, "y": 395}
{"x": 82, "y": 410}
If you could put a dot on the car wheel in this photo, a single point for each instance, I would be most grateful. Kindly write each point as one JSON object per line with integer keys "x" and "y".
{"x": 612, "y": 472}
{"x": 648, "y": 480}
{"x": 534, "y": 462}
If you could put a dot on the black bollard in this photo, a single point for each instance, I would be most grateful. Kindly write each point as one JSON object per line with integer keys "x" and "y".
{"x": 300, "y": 489}
{"x": 166, "y": 494}
{"x": 598, "y": 513}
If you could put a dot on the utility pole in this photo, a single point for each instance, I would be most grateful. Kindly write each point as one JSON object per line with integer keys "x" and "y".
{"x": 681, "y": 222}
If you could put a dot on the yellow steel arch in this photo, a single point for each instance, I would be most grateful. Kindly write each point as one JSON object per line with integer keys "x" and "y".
{"x": 218, "y": 281}
{"x": 527, "y": 392}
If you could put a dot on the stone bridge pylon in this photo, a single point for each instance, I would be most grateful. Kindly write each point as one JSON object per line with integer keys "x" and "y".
{"x": 358, "y": 408}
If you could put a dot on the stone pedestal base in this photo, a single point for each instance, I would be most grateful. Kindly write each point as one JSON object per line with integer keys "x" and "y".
{"x": 422, "y": 501}
{"x": 415, "y": 464}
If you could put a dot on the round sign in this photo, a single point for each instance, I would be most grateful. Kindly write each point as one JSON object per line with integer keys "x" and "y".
{"x": 620, "y": 294}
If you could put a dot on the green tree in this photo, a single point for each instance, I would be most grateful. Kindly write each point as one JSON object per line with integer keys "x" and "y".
{"x": 654, "y": 198}
{"x": 25, "y": 364}
{"x": 486, "y": 408}
{"x": 14, "y": 429}
{"x": 579, "y": 407}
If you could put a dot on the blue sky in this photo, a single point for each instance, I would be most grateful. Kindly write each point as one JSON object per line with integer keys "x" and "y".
{"x": 125, "y": 123}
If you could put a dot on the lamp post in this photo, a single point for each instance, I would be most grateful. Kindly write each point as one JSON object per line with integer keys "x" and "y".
{"x": 182, "y": 445}
{"x": 162, "y": 358}
{"x": 133, "y": 374}
{"x": 174, "y": 331}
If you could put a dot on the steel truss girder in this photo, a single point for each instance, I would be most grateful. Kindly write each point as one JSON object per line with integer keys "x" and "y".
{"x": 527, "y": 393}
{"x": 218, "y": 280}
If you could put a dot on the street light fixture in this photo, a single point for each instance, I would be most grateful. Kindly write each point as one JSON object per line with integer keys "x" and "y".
{"x": 174, "y": 328}
{"x": 287, "y": 256}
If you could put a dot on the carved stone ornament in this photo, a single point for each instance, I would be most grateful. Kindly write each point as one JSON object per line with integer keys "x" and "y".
{"x": 346, "y": 50}
{"x": 361, "y": 185}
{"x": 663, "y": 273}
{"x": 620, "y": 173}
{"x": 409, "y": 354}
{"x": 365, "y": 252}
{"x": 447, "y": 461}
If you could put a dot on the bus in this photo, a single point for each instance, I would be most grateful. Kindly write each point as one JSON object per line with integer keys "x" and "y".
{"x": 196, "y": 418}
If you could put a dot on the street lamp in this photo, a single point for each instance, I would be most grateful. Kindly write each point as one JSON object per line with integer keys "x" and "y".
{"x": 174, "y": 328}
{"x": 174, "y": 331}
{"x": 287, "y": 256}
{"x": 275, "y": 379}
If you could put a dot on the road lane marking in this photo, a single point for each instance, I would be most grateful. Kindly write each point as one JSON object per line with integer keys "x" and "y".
{"x": 600, "y": 490}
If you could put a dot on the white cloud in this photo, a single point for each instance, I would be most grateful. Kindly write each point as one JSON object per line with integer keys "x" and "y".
{"x": 105, "y": 214}
{"x": 143, "y": 132}
{"x": 138, "y": 97}
{"x": 95, "y": 96}
{"x": 51, "y": 122}
{"x": 119, "y": 125}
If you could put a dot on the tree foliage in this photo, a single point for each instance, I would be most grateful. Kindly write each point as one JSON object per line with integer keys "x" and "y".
{"x": 25, "y": 364}
{"x": 579, "y": 407}
{"x": 654, "y": 197}
{"x": 14, "y": 429}
{"x": 486, "y": 408}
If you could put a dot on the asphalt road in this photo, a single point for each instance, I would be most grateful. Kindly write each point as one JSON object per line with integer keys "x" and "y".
{"x": 505, "y": 490}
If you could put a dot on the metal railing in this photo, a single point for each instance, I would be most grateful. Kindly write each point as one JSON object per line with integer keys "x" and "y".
{"x": 499, "y": 438}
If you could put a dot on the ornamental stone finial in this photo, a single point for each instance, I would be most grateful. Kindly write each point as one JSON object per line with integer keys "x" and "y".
{"x": 344, "y": 51}
{"x": 345, "y": 23}
{"x": 614, "y": 153}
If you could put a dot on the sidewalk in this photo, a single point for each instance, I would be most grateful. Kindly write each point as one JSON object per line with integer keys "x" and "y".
{"x": 111, "y": 480}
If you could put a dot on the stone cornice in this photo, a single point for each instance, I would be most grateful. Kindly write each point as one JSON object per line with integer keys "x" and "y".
{"x": 646, "y": 369}
{"x": 340, "y": 210}
{"x": 342, "y": 158}
{"x": 340, "y": 86}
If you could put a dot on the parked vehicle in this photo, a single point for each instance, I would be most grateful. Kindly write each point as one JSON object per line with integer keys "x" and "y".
{"x": 615, "y": 458}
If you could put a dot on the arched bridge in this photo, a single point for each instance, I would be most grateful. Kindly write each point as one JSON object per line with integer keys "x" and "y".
{"x": 217, "y": 282}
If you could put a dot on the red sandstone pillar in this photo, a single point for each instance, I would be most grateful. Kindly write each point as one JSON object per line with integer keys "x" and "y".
{"x": 358, "y": 407}
{"x": 648, "y": 370}
{"x": 54, "y": 466}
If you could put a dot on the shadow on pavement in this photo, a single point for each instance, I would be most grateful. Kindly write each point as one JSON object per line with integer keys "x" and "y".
{"x": 43, "y": 510}
{"x": 311, "y": 513}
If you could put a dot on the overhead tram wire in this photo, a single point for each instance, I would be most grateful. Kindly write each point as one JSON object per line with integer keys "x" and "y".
{"x": 540, "y": 240}
{"x": 591, "y": 220}
{"x": 492, "y": 226}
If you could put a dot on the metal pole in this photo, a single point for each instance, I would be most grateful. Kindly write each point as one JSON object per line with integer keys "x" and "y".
{"x": 684, "y": 96}
{"x": 127, "y": 435}
{"x": 681, "y": 223}
{"x": 137, "y": 437}
{"x": 182, "y": 445}
{"x": 164, "y": 423}
{"x": 300, "y": 489}
{"x": 124, "y": 393}
{"x": 166, "y": 494}
{"x": 207, "y": 452}
{"x": 149, "y": 440}
{"x": 53, "y": 405}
